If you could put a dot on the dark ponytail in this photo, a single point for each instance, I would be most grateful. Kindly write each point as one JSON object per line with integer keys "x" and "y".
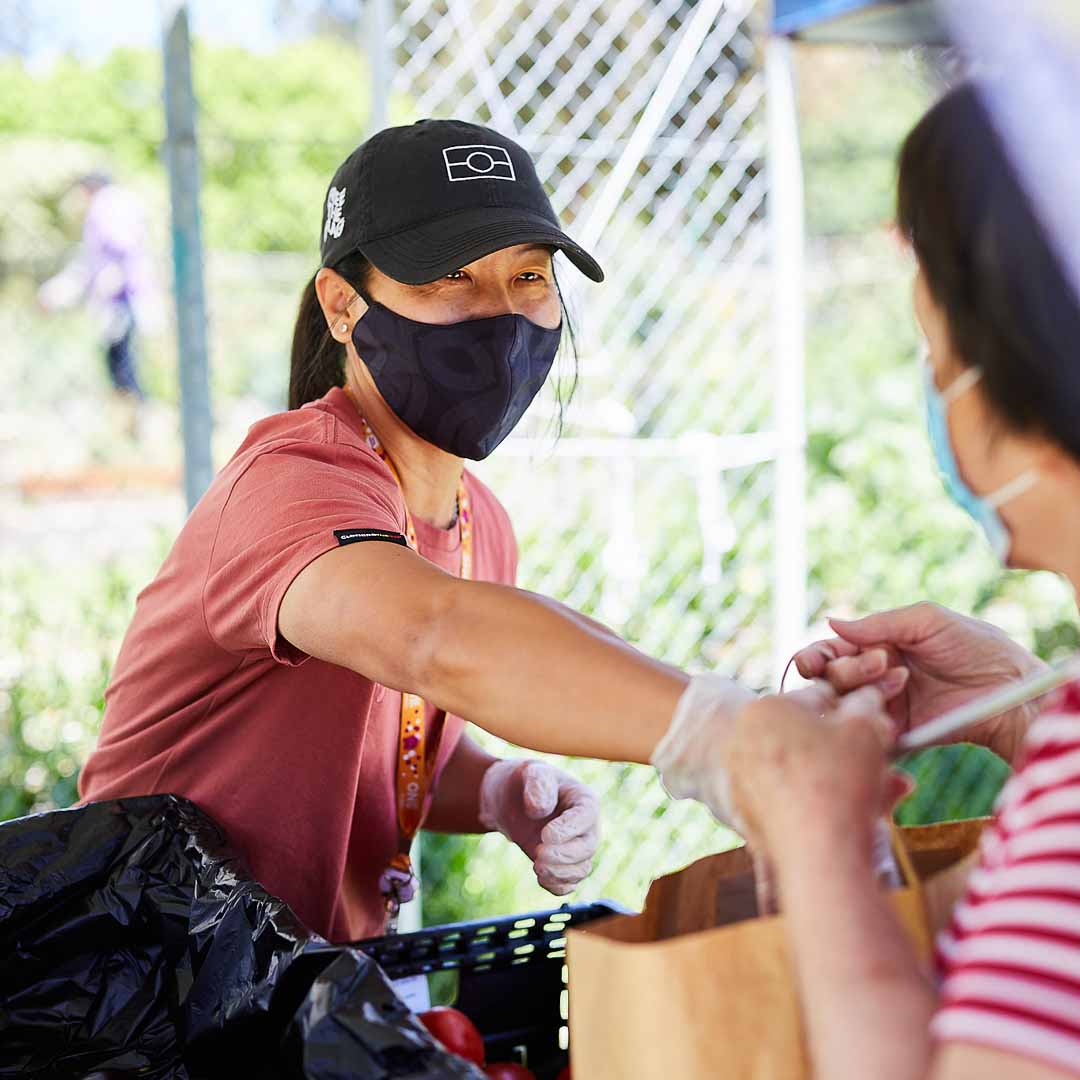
{"x": 317, "y": 362}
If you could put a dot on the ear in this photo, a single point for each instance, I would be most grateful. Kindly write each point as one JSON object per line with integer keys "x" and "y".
{"x": 339, "y": 302}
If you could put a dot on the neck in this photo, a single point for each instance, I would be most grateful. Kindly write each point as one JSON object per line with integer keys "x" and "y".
{"x": 429, "y": 476}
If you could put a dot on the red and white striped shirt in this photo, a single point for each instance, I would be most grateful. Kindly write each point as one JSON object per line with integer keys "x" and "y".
{"x": 1010, "y": 961}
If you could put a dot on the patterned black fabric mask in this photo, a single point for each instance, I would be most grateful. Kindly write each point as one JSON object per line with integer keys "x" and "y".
{"x": 461, "y": 386}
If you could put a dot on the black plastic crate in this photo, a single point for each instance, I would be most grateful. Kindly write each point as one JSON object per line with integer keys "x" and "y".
{"x": 511, "y": 976}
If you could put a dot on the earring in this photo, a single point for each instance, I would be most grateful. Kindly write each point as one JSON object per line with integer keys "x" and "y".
{"x": 343, "y": 328}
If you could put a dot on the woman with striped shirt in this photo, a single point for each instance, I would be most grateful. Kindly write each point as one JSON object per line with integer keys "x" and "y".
{"x": 808, "y": 771}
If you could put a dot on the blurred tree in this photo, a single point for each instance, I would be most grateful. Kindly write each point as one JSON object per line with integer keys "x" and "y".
{"x": 269, "y": 144}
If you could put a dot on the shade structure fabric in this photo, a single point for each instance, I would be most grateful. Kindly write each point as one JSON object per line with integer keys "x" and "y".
{"x": 878, "y": 22}
{"x": 1028, "y": 59}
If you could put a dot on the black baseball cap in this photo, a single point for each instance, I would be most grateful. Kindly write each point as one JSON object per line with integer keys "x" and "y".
{"x": 423, "y": 200}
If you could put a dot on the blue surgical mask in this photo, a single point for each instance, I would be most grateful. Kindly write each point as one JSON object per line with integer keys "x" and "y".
{"x": 983, "y": 508}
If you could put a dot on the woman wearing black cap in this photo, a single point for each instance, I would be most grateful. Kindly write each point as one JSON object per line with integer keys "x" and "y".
{"x": 342, "y": 595}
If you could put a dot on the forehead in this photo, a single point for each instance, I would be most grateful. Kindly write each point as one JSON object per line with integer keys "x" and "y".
{"x": 510, "y": 254}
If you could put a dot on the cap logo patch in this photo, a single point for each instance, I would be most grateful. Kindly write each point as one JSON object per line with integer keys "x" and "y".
{"x": 335, "y": 220}
{"x": 477, "y": 162}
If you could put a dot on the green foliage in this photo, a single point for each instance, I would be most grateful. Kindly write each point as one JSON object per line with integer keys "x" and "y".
{"x": 272, "y": 129}
{"x": 271, "y": 144}
{"x": 59, "y": 632}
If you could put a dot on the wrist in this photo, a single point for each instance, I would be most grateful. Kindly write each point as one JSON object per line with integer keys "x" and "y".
{"x": 489, "y": 801}
{"x": 808, "y": 845}
{"x": 703, "y": 719}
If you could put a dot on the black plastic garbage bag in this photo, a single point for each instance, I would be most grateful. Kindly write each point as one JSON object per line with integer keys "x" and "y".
{"x": 134, "y": 942}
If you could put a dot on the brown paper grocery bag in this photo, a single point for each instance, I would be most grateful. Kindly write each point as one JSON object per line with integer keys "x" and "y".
{"x": 697, "y": 986}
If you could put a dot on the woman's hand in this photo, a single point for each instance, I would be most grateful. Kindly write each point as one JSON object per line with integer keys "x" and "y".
{"x": 951, "y": 659}
{"x": 552, "y": 816}
{"x": 809, "y": 764}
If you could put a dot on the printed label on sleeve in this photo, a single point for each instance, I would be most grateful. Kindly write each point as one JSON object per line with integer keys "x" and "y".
{"x": 360, "y": 536}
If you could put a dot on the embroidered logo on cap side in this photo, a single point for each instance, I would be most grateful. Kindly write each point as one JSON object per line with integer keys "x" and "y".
{"x": 478, "y": 162}
{"x": 335, "y": 220}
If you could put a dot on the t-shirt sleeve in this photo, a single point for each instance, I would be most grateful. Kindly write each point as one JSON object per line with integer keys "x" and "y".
{"x": 282, "y": 513}
{"x": 1011, "y": 958}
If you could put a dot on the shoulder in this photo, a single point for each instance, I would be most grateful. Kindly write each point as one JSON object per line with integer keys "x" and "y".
{"x": 302, "y": 466}
{"x": 313, "y": 434}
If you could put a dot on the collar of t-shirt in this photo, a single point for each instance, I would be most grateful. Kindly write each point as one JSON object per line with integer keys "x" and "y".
{"x": 429, "y": 537}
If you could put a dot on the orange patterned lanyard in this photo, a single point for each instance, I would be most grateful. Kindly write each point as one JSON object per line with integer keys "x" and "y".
{"x": 417, "y": 747}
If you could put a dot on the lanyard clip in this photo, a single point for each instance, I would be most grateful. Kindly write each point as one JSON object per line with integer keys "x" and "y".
{"x": 397, "y": 883}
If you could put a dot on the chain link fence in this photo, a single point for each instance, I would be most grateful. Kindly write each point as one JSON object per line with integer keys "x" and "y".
{"x": 654, "y": 509}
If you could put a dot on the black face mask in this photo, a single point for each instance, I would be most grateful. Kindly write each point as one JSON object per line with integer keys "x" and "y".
{"x": 461, "y": 386}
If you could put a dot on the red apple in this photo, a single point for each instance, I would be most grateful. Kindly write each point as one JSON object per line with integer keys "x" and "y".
{"x": 456, "y": 1032}
{"x": 508, "y": 1070}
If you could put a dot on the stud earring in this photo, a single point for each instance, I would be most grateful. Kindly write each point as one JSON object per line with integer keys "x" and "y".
{"x": 343, "y": 328}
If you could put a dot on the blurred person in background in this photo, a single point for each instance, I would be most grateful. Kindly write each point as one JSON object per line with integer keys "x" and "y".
{"x": 341, "y": 599}
{"x": 807, "y": 772}
{"x": 112, "y": 274}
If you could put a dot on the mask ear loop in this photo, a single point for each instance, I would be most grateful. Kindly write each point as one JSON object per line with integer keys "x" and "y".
{"x": 783, "y": 678}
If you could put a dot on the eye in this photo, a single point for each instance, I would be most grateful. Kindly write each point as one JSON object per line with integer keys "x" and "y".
{"x": 456, "y": 275}
{"x": 531, "y": 277}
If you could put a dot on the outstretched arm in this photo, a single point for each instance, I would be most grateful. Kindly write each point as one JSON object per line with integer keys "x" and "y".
{"x": 521, "y": 666}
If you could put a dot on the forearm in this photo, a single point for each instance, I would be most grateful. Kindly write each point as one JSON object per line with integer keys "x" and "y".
{"x": 866, "y": 1001}
{"x": 455, "y": 806}
{"x": 518, "y": 665}
{"x": 536, "y": 674}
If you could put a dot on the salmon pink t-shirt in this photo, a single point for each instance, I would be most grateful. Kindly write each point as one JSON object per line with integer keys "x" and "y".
{"x": 293, "y": 757}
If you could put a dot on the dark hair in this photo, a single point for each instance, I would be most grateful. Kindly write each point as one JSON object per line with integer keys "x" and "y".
{"x": 317, "y": 361}
{"x": 571, "y": 337}
{"x": 1009, "y": 306}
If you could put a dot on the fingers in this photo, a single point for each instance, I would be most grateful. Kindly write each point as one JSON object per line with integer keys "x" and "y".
{"x": 818, "y": 697}
{"x": 867, "y": 706}
{"x": 558, "y": 881}
{"x": 904, "y": 627}
{"x": 579, "y": 850}
{"x": 560, "y": 867}
{"x": 569, "y": 841}
{"x": 540, "y": 794}
{"x": 812, "y": 661}
{"x": 850, "y": 672}
{"x": 894, "y": 682}
{"x": 580, "y": 818}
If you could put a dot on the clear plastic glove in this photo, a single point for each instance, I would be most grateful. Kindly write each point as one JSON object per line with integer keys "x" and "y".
{"x": 552, "y": 816}
{"x": 689, "y": 756}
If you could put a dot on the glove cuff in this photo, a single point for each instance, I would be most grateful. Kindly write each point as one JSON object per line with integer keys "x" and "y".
{"x": 703, "y": 717}
{"x": 496, "y": 777}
